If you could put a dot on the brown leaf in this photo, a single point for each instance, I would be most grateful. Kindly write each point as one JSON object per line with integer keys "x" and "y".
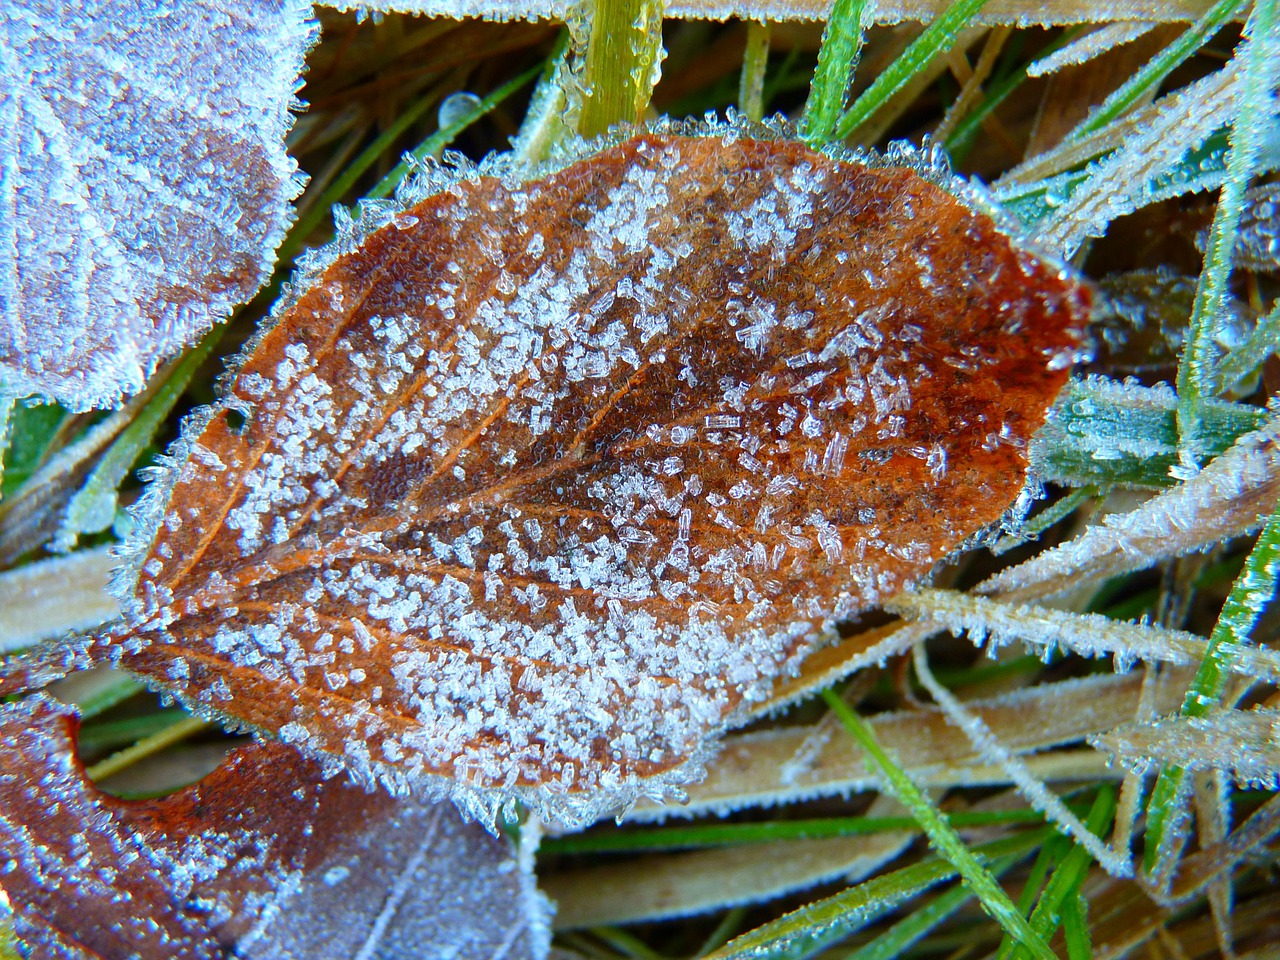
{"x": 263, "y": 859}
{"x": 545, "y": 482}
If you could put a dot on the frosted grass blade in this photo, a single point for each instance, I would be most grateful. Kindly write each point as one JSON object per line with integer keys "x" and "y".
{"x": 837, "y": 60}
{"x": 755, "y": 62}
{"x": 1248, "y": 356}
{"x": 1259, "y": 65}
{"x": 943, "y": 839}
{"x": 938, "y": 36}
{"x": 1252, "y": 591}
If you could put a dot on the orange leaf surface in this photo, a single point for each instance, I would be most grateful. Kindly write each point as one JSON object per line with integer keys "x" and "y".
{"x": 535, "y": 485}
{"x": 263, "y": 859}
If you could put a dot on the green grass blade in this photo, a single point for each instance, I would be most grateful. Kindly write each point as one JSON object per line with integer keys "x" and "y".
{"x": 769, "y": 831}
{"x": 1194, "y": 367}
{"x": 902, "y": 935}
{"x": 937, "y": 37}
{"x": 755, "y": 62}
{"x": 622, "y": 59}
{"x": 837, "y": 59}
{"x": 1065, "y": 883}
{"x": 941, "y": 836}
{"x": 1075, "y": 928}
{"x": 1251, "y": 592}
{"x": 834, "y": 917}
{"x": 1160, "y": 66}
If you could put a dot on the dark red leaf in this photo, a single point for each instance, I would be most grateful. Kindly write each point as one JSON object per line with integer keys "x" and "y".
{"x": 542, "y": 482}
{"x": 263, "y": 859}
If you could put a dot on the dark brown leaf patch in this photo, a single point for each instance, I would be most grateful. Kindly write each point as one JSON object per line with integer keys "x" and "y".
{"x": 263, "y": 859}
{"x": 542, "y": 481}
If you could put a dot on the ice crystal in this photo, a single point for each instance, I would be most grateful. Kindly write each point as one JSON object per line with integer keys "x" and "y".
{"x": 536, "y": 484}
{"x": 146, "y": 182}
{"x": 264, "y": 859}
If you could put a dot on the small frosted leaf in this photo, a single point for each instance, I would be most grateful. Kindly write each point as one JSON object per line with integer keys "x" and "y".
{"x": 264, "y": 859}
{"x": 545, "y": 481}
{"x": 146, "y": 182}
{"x": 1243, "y": 743}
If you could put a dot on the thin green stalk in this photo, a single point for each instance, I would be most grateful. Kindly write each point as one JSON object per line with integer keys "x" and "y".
{"x": 174, "y": 733}
{"x": 842, "y": 913}
{"x": 1054, "y": 849}
{"x": 1194, "y": 370}
{"x": 1065, "y": 883}
{"x": 895, "y": 941}
{"x": 107, "y": 697}
{"x": 93, "y": 507}
{"x": 1046, "y": 518}
{"x": 625, "y": 943}
{"x": 837, "y": 59}
{"x": 435, "y": 143}
{"x": 938, "y": 36}
{"x": 728, "y": 834}
{"x": 1253, "y": 589}
{"x": 942, "y": 837}
{"x": 1248, "y": 356}
{"x": 623, "y": 54}
{"x": 1075, "y": 928}
{"x": 117, "y": 733}
{"x": 755, "y": 61}
{"x": 1160, "y": 66}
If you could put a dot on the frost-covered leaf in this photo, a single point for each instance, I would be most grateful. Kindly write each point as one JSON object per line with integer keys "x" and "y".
{"x": 540, "y": 483}
{"x": 263, "y": 859}
{"x": 1243, "y": 743}
{"x": 146, "y": 184}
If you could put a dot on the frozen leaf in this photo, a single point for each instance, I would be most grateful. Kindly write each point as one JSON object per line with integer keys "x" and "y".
{"x": 263, "y": 859}
{"x": 534, "y": 485}
{"x": 146, "y": 182}
{"x": 1244, "y": 743}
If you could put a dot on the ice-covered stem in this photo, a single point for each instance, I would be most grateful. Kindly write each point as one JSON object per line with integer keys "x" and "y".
{"x": 942, "y": 837}
{"x": 1252, "y": 590}
{"x": 837, "y": 59}
{"x": 938, "y": 36}
{"x": 755, "y": 59}
{"x": 623, "y": 57}
{"x": 1195, "y": 367}
{"x": 1150, "y": 76}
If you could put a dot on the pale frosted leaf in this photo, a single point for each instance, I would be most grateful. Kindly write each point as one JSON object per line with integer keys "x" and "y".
{"x": 1093, "y": 44}
{"x": 1243, "y": 743}
{"x": 146, "y": 182}
{"x": 1035, "y": 791}
{"x": 755, "y": 769}
{"x": 544, "y": 482}
{"x": 1087, "y": 634}
{"x": 996, "y": 12}
{"x": 686, "y": 884}
{"x": 51, "y": 597}
{"x": 264, "y": 858}
{"x": 1231, "y": 496}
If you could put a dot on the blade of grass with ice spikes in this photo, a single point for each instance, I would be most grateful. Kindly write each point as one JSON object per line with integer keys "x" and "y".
{"x": 941, "y": 836}
{"x": 1195, "y": 368}
{"x": 1253, "y": 589}
{"x": 937, "y": 37}
{"x": 837, "y": 59}
{"x": 805, "y": 931}
{"x": 623, "y": 58}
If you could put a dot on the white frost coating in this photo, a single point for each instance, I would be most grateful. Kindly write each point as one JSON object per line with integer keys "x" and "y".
{"x": 508, "y": 629}
{"x": 144, "y": 183}
{"x": 1093, "y": 44}
{"x": 1231, "y": 496}
{"x": 1245, "y": 744}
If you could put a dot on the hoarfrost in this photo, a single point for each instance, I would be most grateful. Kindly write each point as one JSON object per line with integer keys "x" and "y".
{"x": 1093, "y": 44}
{"x": 515, "y": 525}
{"x": 264, "y": 858}
{"x": 147, "y": 184}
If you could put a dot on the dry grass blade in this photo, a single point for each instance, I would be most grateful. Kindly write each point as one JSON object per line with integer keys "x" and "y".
{"x": 466, "y": 523}
{"x": 51, "y": 597}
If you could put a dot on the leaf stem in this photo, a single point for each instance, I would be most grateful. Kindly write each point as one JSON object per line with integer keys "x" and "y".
{"x": 755, "y": 61}
{"x": 943, "y": 838}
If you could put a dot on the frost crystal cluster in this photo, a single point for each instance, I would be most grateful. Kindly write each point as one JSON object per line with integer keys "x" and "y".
{"x": 542, "y": 479}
